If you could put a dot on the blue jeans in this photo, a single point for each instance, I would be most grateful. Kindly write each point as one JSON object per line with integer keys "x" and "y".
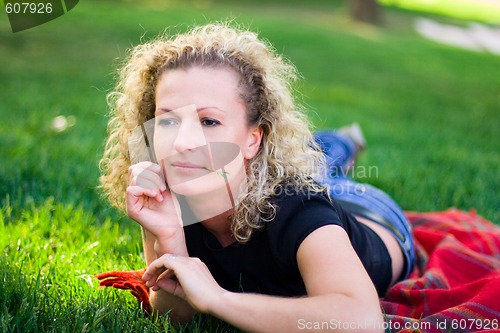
{"x": 353, "y": 196}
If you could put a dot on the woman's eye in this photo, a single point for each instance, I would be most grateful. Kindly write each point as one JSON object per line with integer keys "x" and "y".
{"x": 167, "y": 122}
{"x": 210, "y": 122}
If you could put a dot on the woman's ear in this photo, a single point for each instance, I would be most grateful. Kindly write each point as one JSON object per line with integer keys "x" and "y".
{"x": 253, "y": 143}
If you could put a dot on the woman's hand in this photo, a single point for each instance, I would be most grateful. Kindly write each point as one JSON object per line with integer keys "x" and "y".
{"x": 184, "y": 277}
{"x": 149, "y": 201}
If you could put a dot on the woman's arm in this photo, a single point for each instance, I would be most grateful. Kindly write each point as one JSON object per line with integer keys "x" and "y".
{"x": 162, "y": 301}
{"x": 340, "y": 292}
{"x": 151, "y": 204}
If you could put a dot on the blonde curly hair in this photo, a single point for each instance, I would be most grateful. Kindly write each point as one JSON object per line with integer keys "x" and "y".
{"x": 287, "y": 154}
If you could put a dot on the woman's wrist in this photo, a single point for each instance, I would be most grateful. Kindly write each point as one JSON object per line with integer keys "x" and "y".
{"x": 171, "y": 241}
{"x": 219, "y": 307}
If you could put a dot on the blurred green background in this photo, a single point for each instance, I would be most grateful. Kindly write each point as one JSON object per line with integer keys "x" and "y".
{"x": 429, "y": 113}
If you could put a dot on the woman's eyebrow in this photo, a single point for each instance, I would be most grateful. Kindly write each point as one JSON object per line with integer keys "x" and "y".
{"x": 210, "y": 107}
{"x": 161, "y": 110}
{"x": 166, "y": 110}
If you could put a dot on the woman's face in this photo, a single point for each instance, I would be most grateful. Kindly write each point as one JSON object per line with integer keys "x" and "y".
{"x": 201, "y": 136}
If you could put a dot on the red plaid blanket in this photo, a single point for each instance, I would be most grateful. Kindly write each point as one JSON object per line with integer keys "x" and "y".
{"x": 455, "y": 286}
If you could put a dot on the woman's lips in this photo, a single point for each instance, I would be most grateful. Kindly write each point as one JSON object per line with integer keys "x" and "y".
{"x": 187, "y": 168}
{"x": 187, "y": 165}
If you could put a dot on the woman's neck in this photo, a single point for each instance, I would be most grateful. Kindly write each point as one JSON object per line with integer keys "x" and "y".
{"x": 213, "y": 212}
{"x": 220, "y": 227}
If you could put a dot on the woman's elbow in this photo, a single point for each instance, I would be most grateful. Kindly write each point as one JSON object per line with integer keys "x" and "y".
{"x": 374, "y": 322}
{"x": 178, "y": 311}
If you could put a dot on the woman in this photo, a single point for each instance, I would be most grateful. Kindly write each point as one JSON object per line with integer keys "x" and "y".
{"x": 234, "y": 221}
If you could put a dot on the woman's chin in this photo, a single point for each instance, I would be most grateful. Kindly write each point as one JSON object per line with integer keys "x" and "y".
{"x": 198, "y": 186}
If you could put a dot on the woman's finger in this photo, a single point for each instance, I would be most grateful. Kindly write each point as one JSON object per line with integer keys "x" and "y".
{"x": 171, "y": 286}
{"x": 137, "y": 192}
{"x": 158, "y": 266}
{"x": 151, "y": 281}
{"x": 146, "y": 177}
{"x": 145, "y": 165}
{"x": 147, "y": 183}
{"x": 139, "y": 175}
{"x": 163, "y": 278}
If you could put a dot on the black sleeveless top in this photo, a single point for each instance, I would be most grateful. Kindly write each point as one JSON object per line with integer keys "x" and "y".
{"x": 267, "y": 263}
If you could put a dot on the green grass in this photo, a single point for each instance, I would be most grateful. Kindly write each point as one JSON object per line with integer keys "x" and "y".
{"x": 482, "y": 11}
{"x": 429, "y": 112}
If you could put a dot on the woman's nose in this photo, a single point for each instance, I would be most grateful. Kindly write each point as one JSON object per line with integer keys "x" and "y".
{"x": 189, "y": 135}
